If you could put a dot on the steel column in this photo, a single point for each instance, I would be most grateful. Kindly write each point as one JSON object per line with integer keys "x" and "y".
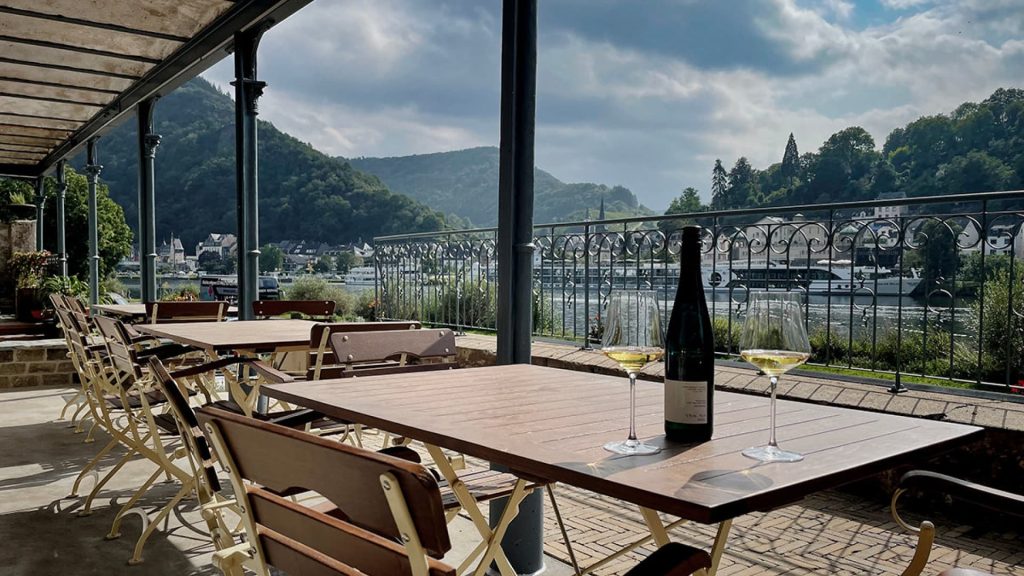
{"x": 523, "y": 542}
{"x": 40, "y": 208}
{"x": 92, "y": 174}
{"x": 62, "y": 191}
{"x": 148, "y": 142}
{"x": 247, "y": 92}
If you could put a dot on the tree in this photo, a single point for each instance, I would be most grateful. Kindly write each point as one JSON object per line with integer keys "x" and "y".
{"x": 323, "y": 264}
{"x": 347, "y": 261}
{"x": 271, "y": 259}
{"x": 938, "y": 254}
{"x": 743, "y": 189}
{"x": 686, "y": 203}
{"x": 719, "y": 185}
{"x": 214, "y": 263}
{"x": 790, "y": 161}
{"x": 115, "y": 237}
{"x": 975, "y": 172}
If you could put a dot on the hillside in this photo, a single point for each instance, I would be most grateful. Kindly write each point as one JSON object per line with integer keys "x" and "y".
{"x": 303, "y": 193}
{"x": 465, "y": 183}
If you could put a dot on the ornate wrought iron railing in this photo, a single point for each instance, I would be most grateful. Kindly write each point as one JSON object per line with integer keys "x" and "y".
{"x": 928, "y": 286}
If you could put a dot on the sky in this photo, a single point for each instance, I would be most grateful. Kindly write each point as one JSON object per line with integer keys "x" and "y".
{"x": 640, "y": 93}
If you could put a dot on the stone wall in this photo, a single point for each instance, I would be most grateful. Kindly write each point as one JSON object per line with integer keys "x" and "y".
{"x": 16, "y": 236}
{"x": 35, "y": 363}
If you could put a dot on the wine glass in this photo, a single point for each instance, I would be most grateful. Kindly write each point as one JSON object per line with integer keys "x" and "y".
{"x": 633, "y": 338}
{"x": 774, "y": 339}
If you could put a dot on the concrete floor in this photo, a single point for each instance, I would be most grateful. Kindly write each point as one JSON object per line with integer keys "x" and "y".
{"x": 42, "y": 534}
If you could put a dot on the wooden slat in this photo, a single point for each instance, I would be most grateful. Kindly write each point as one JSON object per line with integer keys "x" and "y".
{"x": 76, "y": 95}
{"x": 75, "y": 36}
{"x": 282, "y": 335}
{"x": 10, "y": 118}
{"x": 69, "y": 58}
{"x": 177, "y": 17}
{"x": 32, "y": 131}
{"x": 552, "y": 424}
{"x": 42, "y": 108}
{"x": 65, "y": 77}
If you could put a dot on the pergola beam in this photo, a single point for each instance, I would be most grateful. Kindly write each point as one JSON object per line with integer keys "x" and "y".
{"x": 79, "y": 49}
{"x": 92, "y": 24}
{"x": 66, "y": 68}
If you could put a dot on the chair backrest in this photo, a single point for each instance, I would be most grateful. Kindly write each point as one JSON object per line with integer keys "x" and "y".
{"x": 121, "y": 354}
{"x": 402, "y": 346}
{"x": 196, "y": 444}
{"x": 321, "y": 355}
{"x": 157, "y": 312}
{"x": 379, "y": 501}
{"x": 315, "y": 309}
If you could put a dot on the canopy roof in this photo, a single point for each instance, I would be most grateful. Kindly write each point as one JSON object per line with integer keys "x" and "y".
{"x": 70, "y": 68}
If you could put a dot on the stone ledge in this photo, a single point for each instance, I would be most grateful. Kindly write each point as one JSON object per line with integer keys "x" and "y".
{"x": 30, "y": 363}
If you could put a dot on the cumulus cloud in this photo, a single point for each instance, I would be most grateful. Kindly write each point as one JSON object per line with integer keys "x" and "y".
{"x": 645, "y": 98}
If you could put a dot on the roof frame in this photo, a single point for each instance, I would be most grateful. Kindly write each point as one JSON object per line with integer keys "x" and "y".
{"x": 195, "y": 55}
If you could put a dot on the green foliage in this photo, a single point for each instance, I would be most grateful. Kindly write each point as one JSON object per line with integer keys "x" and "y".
{"x": 979, "y": 147}
{"x": 687, "y": 203}
{"x": 213, "y": 263}
{"x": 323, "y": 264}
{"x": 189, "y": 293}
{"x": 346, "y": 261}
{"x": 1002, "y": 335}
{"x": 465, "y": 183}
{"x": 938, "y": 255}
{"x": 115, "y": 237}
{"x": 313, "y": 288}
{"x": 271, "y": 259}
{"x": 366, "y": 305}
{"x": 65, "y": 285}
{"x": 28, "y": 268}
{"x": 302, "y": 192}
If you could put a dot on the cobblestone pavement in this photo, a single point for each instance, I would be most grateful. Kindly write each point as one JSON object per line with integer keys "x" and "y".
{"x": 830, "y": 533}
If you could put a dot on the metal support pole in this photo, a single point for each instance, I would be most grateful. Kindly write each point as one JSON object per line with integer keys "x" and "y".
{"x": 148, "y": 142}
{"x": 40, "y": 207}
{"x": 523, "y": 542}
{"x": 62, "y": 191}
{"x": 92, "y": 174}
{"x": 247, "y": 92}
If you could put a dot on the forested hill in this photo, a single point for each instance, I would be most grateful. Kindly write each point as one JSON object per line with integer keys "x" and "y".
{"x": 979, "y": 147}
{"x": 465, "y": 183}
{"x": 304, "y": 194}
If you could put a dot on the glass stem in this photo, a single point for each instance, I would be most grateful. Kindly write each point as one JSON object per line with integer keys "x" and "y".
{"x": 632, "y": 407}
{"x": 775, "y": 384}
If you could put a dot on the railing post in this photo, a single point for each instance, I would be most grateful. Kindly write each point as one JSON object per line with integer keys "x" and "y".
{"x": 586, "y": 287}
{"x": 92, "y": 174}
{"x": 897, "y": 384}
{"x": 147, "y": 145}
{"x": 40, "y": 208}
{"x": 247, "y": 92}
{"x": 62, "y": 191}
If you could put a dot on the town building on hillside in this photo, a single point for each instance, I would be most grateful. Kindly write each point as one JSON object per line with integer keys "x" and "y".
{"x": 222, "y": 245}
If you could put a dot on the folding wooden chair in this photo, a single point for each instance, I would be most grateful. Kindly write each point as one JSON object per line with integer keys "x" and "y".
{"x": 63, "y": 313}
{"x": 159, "y": 312}
{"x": 321, "y": 356}
{"x": 310, "y": 309}
{"x": 384, "y": 516}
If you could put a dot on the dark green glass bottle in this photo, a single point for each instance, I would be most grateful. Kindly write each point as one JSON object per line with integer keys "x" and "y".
{"x": 689, "y": 351}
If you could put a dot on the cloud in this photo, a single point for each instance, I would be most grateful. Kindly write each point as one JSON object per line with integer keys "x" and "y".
{"x": 646, "y": 98}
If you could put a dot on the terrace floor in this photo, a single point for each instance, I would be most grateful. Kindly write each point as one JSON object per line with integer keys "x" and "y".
{"x": 830, "y": 533}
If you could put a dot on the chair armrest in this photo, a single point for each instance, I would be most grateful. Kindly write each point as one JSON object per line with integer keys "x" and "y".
{"x": 672, "y": 559}
{"x": 990, "y": 498}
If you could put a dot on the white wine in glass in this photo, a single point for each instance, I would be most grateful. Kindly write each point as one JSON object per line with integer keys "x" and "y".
{"x": 633, "y": 338}
{"x": 774, "y": 339}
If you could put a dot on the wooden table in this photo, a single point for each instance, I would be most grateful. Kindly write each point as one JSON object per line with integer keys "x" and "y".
{"x": 242, "y": 335}
{"x": 136, "y": 312}
{"x": 552, "y": 423}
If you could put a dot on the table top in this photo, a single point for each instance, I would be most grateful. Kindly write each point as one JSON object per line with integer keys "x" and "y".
{"x": 137, "y": 310}
{"x": 280, "y": 335}
{"x": 553, "y": 423}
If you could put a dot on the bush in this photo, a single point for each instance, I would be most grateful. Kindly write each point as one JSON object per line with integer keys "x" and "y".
{"x": 188, "y": 293}
{"x": 313, "y": 288}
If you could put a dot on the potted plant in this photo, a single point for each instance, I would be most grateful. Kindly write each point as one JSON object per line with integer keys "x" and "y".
{"x": 19, "y": 207}
{"x": 28, "y": 269}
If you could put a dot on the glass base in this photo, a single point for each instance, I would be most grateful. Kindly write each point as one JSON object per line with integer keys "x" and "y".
{"x": 772, "y": 454}
{"x": 631, "y": 448}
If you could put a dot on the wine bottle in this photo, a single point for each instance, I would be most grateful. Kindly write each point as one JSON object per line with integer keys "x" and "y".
{"x": 689, "y": 351}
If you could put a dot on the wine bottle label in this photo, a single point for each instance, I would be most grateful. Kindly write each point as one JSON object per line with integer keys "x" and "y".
{"x": 686, "y": 401}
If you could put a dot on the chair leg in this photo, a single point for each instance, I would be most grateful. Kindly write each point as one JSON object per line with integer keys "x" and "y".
{"x": 561, "y": 526}
{"x": 69, "y": 403}
{"x": 89, "y": 466}
{"x": 87, "y": 508}
{"x": 147, "y": 531}
{"x": 115, "y": 528}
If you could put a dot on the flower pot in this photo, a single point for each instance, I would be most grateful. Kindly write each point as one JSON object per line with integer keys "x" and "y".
{"x": 28, "y": 307}
{"x": 23, "y": 211}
